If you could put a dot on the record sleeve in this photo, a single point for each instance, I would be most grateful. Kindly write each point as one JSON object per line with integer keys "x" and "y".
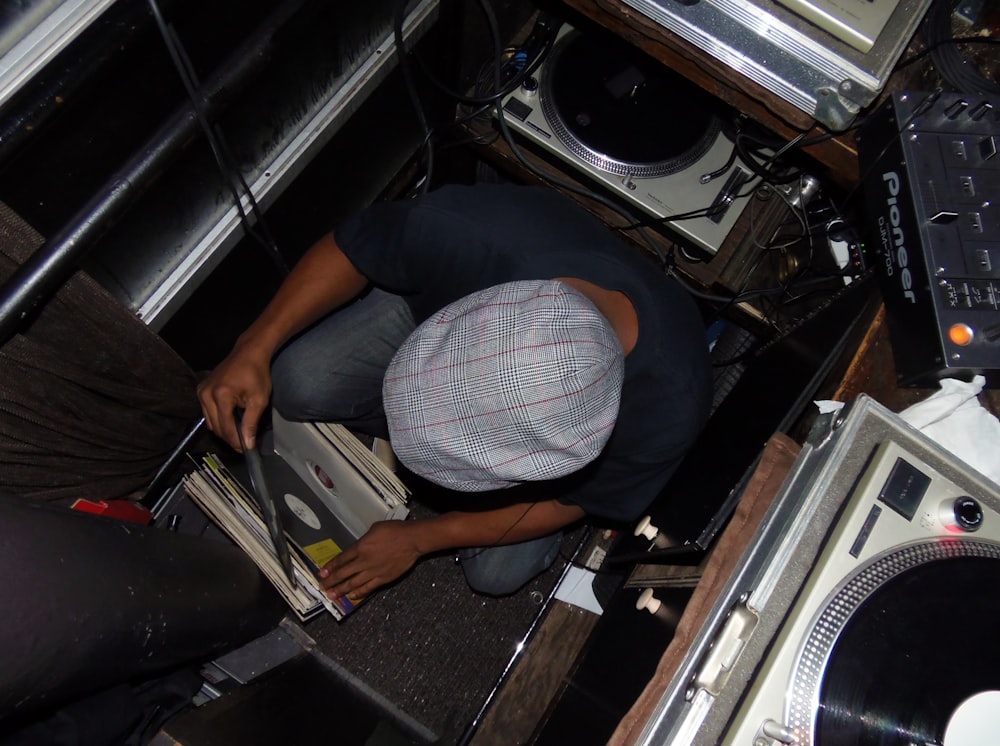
{"x": 327, "y": 489}
{"x": 222, "y": 497}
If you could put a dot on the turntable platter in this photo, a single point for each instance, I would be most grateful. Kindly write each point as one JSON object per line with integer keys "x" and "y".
{"x": 912, "y": 654}
{"x": 622, "y": 111}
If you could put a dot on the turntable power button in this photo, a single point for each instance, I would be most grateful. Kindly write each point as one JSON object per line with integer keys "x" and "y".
{"x": 529, "y": 86}
{"x": 962, "y": 514}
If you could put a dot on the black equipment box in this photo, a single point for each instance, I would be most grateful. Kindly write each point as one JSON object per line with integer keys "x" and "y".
{"x": 930, "y": 170}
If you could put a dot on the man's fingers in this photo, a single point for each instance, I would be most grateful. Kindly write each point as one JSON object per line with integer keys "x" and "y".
{"x": 250, "y": 421}
{"x": 338, "y": 569}
{"x": 359, "y": 592}
{"x": 345, "y": 575}
{"x": 218, "y": 406}
{"x": 352, "y": 586}
{"x": 228, "y": 424}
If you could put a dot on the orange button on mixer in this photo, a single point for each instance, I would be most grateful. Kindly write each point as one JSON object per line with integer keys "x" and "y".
{"x": 960, "y": 334}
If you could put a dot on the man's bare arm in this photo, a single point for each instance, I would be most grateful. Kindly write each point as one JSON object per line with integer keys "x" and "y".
{"x": 321, "y": 281}
{"x": 391, "y": 548}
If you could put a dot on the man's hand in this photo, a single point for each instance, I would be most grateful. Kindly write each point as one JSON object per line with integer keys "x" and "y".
{"x": 323, "y": 280}
{"x": 241, "y": 380}
{"x": 382, "y": 555}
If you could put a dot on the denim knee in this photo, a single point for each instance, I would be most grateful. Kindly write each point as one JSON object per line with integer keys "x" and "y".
{"x": 333, "y": 371}
{"x": 503, "y": 570}
{"x": 300, "y": 401}
{"x": 491, "y": 584}
{"x": 288, "y": 395}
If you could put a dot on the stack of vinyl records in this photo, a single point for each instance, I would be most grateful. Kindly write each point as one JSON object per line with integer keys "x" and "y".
{"x": 327, "y": 487}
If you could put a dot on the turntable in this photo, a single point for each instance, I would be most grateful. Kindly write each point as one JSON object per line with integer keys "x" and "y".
{"x": 865, "y": 609}
{"x": 648, "y": 135}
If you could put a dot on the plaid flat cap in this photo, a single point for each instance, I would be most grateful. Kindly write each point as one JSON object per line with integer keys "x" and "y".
{"x": 518, "y": 382}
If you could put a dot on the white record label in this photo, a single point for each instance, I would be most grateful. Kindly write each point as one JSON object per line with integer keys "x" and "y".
{"x": 302, "y": 511}
{"x": 975, "y": 722}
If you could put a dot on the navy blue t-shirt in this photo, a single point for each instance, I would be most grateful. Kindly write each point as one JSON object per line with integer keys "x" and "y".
{"x": 460, "y": 239}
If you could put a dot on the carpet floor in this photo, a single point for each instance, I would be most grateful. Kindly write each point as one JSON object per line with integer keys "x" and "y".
{"x": 431, "y": 646}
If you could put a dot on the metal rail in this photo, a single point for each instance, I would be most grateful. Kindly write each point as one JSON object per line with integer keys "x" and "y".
{"x": 52, "y": 264}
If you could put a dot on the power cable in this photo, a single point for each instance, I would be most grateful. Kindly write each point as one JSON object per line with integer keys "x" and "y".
{"x": 958, "y": 72}
{"x": 231, "y": 174}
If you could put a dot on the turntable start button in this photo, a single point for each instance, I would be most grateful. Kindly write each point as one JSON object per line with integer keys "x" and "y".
{"x": 963, "y": 514}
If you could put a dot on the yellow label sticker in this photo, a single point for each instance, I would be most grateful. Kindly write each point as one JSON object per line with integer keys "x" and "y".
{"x": 322, "y": 551}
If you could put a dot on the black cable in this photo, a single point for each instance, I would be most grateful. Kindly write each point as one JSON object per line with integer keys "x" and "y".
{"x": 511, "y": 527}
{"x": 711, "y": 209}
{"x": 794, "y": 284}
{"x": 498, "y": 90}
{"x": 763, "y": 171}
{"x": 701, "y": 212}
{"x": 545, "y": 25}
{"x": 600, "y": 570}
{"x": 927, "y": 50}
{"x": 220, "y": 151}
{"x": 721, "y": 170}
{"x": 411, "y": 89}
{"x": 749, "y": 351}
{"x": 948, "y": 59}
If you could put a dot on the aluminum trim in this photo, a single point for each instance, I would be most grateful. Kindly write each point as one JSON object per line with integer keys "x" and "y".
{"x": 273, "y": 177}
{"x": 44, "y": 41}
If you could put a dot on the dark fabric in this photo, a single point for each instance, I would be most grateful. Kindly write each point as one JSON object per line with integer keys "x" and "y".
{"x": 124, "y": 715}
{"x": 461, "y": 239}
{"x": 91, "y": 400}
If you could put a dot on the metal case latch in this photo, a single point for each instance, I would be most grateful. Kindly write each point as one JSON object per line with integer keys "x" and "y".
{"x": 726, "y": 650}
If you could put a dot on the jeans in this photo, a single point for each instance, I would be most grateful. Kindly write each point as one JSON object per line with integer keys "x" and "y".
{"x": 502, "y": 570}
{"x": 333, "y": 372}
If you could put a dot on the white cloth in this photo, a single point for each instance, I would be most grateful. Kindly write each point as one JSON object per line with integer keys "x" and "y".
{"x": 954, "y": 418}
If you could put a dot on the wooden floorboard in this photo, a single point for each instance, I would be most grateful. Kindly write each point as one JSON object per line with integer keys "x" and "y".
{"x": 520, "y": 706}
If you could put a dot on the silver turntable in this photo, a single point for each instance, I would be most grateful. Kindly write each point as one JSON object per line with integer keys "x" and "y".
{"x": 862, "y": 611}
{"x": 829, "y": 58}
{"x": 894, "y": 577}
{"x": 647, "y": 135}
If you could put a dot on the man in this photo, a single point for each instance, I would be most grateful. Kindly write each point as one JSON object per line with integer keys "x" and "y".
{"x": 508, "y": 345}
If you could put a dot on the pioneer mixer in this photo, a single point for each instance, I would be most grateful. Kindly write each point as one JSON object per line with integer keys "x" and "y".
{"x": 930, "y": 169}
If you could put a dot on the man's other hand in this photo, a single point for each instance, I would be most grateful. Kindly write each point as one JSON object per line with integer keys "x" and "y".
{"x": 379, "y": 557}
{"x": 241, "y": 380}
